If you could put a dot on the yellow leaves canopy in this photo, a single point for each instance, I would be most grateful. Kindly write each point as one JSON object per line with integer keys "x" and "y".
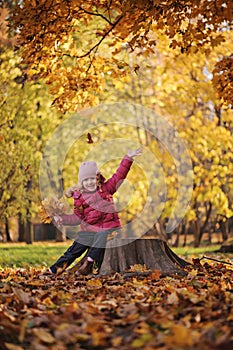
{"x": 60, "y": 35}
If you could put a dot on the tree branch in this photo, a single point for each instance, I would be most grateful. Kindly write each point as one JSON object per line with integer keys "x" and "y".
{"x": 99, "y": 42}
{"x": 97, "y": 14}
{"x": 220, "y": 261}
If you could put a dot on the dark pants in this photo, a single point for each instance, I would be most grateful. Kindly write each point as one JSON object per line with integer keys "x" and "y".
{"x": 94, "y": 242}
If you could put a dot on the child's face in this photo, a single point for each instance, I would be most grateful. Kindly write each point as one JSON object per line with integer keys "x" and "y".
{"x": 90, "y": 184}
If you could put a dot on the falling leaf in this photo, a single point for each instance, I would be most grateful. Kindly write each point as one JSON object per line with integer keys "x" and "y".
{"x": 136, "y": 68}
{"x": 89, "y": 138}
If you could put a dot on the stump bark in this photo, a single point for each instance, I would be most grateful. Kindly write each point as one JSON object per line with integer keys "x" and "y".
{"x": 225, "y": 248}
{"x": 121, "y": 254}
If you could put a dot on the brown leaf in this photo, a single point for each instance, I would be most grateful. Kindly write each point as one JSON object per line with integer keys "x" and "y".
{"x": 44, "y": 335}
{"x": 172, "y": 298}
{"x": 155, "y": 275}
{"x": 21, "y": 295}
{"x": 10, "y": 346}
{"x": 89, "y": 138}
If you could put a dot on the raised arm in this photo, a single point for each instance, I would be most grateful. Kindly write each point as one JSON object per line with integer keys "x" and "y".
{"x": 116, "y": 180}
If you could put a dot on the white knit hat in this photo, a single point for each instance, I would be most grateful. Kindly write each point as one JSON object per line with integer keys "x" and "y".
{"x": 86, "y": 170}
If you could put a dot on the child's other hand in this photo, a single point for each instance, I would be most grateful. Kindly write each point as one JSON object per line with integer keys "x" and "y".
{"x": 58, "y": 220}
{"x": 134, "y": 152}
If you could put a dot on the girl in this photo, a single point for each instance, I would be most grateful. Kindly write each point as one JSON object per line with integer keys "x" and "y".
{"x": 94, "y": 210}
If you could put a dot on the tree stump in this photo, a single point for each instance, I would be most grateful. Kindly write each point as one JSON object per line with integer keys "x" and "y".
{"x": 121, "y": 254}
{"x": 225, "y": 248}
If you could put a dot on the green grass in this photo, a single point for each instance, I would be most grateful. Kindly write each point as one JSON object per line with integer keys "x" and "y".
{"x": 209, "y": 252}
{"x": 46, "y": 253}
{"x": 36, "y": 254}
{"x": 191, "y": 251}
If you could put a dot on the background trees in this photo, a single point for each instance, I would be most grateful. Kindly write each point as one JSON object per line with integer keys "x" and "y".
{"x": 24, "y": 112}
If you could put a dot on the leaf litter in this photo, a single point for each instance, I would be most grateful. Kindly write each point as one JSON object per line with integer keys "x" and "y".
{"x": 192, "y": 312}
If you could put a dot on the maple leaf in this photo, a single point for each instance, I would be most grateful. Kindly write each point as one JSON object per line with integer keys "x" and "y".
{"x": 45, "y": 218}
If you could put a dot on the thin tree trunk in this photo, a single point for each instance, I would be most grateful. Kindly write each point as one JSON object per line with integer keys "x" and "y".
{"x": 185, "y": 237}
{"x": 7, "y": 231}
{"x": 196, "y": 234}
{"x": 21, "y": 230}
{"x": 60, "y": 236}
{"x": 29, "y": 234}
{"x": 176, "y": 243}
{"x": 224, "y": 230}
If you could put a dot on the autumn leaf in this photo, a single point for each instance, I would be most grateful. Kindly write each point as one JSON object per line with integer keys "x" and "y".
{"x": 44, "y": 335}
{"x": 181, "y": 337}
{"x": 10, "y": 346}
{"x": 89, "y": 138}
{"x": 155, "y": 275}
{"x": 138, "y": 268}
{"x": 21, "y": 295}
{"x": 94, "y": 284}
{"x": 45, "y": 218}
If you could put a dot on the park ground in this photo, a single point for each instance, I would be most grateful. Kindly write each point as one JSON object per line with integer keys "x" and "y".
{"x": 188, "y": 312}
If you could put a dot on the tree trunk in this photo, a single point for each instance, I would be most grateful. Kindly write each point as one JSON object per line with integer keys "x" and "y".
{"x": 224, "y": 229}
{"x": 29, "y": 232}
{"x": 226, "y": 248}
{"x": 121, "y": 254}
{"x": 60, "y": 235}
{"x": 196, "y": 234}
{"x": 21, "y": 231}
{"x": 8, "y": 237}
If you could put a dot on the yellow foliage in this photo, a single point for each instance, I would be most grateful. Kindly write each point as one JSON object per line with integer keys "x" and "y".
{"x": 77, "y": 38}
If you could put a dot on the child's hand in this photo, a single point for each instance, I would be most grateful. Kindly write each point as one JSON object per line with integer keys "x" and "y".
{"x": 58, "y": 220}
{"x": 135, "y": 152}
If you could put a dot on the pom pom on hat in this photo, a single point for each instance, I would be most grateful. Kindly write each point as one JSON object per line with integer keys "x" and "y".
{"x": 86, "y": 170}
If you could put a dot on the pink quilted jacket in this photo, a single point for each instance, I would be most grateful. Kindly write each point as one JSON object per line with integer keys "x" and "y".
{"x": 95, "y": 211}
